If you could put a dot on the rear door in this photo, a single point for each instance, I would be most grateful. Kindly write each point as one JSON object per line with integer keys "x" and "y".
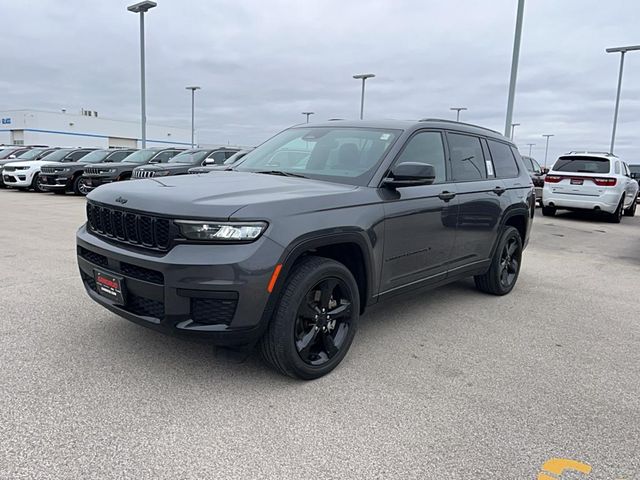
{"x": 420, "y": 221}
{"x": 482, "y": 199}
{"x": 631, "y": 187}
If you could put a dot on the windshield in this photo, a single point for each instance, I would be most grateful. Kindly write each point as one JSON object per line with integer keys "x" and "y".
{"x": 580, "y": 164}
{"x": 6, "y": 152}
{"x": 31, "y": 154}
{"x": 141, "y": 156}
{"x": 336, "y": 154}
{"x": 95, "y": 157}
{"x": 58, "y": 154}
{"x": 235, "y": 157}
{"x": 634, "y": 169}
{"x": 190, "y": 157}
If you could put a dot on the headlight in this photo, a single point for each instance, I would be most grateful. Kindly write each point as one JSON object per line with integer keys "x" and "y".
{"x": 223, "y": 231}
{"x": 110, "y": 170}
{"x": 161, "y": 173}
{"x": 65, "y": 170}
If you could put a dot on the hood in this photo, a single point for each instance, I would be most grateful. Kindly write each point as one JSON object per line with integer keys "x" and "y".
{"x": 30, "y": 163}
{"x": 118, "y": 166}
{"x": 210, "y": 168}
{"x": 216, "y": 195}
{"x": 166, "y": 167}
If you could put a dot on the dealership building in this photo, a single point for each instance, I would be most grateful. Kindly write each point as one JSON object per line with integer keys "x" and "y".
{"x": 84, "y": 129}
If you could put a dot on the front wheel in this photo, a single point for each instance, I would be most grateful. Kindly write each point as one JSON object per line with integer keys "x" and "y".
{"x": 548, "y": 211}
{"x": 315, "y": 320}
{"x": 36, "y": 184}
{"x": 505, "y": 265}
{"x": 81, "y": 186}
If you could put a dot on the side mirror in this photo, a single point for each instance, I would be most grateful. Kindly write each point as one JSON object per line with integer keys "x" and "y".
{"x": 410, "y": 174}
{"x": 155, "y": 160}
{"x": 13, "y": 155}
{"x": 209, "y": 161}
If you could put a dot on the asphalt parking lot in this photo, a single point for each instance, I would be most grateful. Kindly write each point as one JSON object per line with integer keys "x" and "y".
{"x": 447, "y": 384}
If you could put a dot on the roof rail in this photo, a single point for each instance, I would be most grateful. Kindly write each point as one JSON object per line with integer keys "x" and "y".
{"x": 572, "y": 152}
{"x": 458, "y": 123}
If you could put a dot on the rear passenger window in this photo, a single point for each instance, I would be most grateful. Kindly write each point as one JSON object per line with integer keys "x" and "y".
{"x": 426, "y": 147}
{"x": 467, "y": 160}
{"x": 504, "y": 162}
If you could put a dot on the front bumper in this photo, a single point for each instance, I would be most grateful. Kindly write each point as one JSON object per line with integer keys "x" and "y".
{"x": 97, "y": 180}
{"x": 18, "y": 178}
{"x": 55, "y": 182}
{"x": 607, "y": 202}
{"x": 216, "y": 293}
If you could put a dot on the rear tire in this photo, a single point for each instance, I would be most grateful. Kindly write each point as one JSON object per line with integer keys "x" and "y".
{"x": 315, "y": 320}
{"x": 616, "y": 217}
{"x": 505, "y": 265}
{"x": 548, "y": 211}
{"x": 631, "y": 211}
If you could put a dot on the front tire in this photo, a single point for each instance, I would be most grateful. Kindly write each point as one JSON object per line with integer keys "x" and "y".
{"x": 315, "y": 321}
{"x": 80, "y": 186}
{"x": 36, "y": 184}
{"x": 505, "y": 265}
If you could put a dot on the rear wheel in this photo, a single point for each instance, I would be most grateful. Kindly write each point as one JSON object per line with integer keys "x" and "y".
{"x": 505, "y": 265}
{"x": 616, "y": 216}
{"x": 548, "y": 211}
{"x": 315, "y": 320}
{"x": 631, "y": 211}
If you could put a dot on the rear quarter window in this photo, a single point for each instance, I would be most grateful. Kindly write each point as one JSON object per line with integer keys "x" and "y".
{"x": 504, "y": 161}
{"x": 583, "y": 164}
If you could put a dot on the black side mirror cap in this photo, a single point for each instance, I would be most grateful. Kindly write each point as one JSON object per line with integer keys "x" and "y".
{"x": 410, "y": 174}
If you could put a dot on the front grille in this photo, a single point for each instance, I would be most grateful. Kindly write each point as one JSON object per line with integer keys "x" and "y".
{"x": 9, "y": 169}
{"x": 141, "y": 273}
{"x": 50, "y": 170}
{"x": 132, "y": 228}
{"x": 143, "y": 173}
{"x": 94, "y": 170}
{"x": 93, "y": 257}
{"x": 144, "y": 306}
{"x": 213, "y": 310}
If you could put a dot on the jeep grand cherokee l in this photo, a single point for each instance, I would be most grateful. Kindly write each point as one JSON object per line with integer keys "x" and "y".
{"x": 181, "y": 163}
{"x": 290, "y": 247}
{"x": 25, "y": 175}
{"x": 95, "y": 176}
{"x": 67, "y": 177}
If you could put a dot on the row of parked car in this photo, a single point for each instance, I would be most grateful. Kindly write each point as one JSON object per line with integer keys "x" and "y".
{"x": 80, "y": 170}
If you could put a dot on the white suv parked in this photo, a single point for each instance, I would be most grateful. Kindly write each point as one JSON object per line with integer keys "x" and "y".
{"x": 590, "y": 181}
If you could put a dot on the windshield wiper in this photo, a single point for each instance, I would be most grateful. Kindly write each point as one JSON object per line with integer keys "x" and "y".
{"x": 281, "y": 173}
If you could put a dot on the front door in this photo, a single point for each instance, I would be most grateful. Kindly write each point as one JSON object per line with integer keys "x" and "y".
{"x": 420, "y": 221}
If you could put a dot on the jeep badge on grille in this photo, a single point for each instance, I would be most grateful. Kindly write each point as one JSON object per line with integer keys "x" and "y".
{"x": 121, "y": 200}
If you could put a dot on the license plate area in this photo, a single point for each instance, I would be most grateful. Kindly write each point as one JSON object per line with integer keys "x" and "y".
{"x": 577, "y": 181}
{"x": 110, "y": 286}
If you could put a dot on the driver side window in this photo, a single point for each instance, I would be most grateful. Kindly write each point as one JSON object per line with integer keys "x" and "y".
{"x": 426, "y": 147}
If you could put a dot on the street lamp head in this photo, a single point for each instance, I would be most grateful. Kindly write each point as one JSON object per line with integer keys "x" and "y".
{"x": 363, "y": 76}
{"x": 308, "y": 113}
{"x": 458, "y": 108}
{"x": 548, "y": 135}
{"x": 515, "y": 124}
{"x": 142, "y": 7}
{"x": 192, "y": 88}
{"x": 623, "y": 49}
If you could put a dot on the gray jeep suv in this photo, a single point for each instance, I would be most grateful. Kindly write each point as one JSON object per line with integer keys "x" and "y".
{"x": 289, "y": 248}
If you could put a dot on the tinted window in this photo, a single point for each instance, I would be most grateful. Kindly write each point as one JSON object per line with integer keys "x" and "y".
{"x": 582, "y": 164}
{"x": 536, "y": 166}
{"x": 528, "y": 164}
{"x": 95, "y": 157}
{"x": 467, "y": 160}
{"x": 76, "y": 155}
{"x": 190, "y": 157}
{"x": 634, "y": 169}
{"x": 504, "y": 162}
{"x": 218, "y": 157}
{"x": 58, "y": 155}
{"x": 118, "y": 156}
{"x": 339, "y": 154}
{"x": 426, "y": 147}
{"x": 163, "y": 157}
{"x": 141, "y": 156}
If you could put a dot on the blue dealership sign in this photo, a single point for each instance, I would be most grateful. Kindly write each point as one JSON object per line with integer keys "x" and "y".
{"x": 6, "y": 121}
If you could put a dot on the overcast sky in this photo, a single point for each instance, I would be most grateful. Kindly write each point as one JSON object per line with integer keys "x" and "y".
{"x": 262, "y": 62}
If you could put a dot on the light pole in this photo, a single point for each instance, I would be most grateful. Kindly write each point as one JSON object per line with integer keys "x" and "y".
{"x": 513, "y": 128}
{"x": 622, "y": 51}
{"x": 308, "y": 114}
{"x": 141, "y": 8}
{"x": 514, "y": 67}
{"x": 457, "y": 110}
{"x": 546, "y": 148}
{"x": 363, "y": 77}
{"x": 530, "y": 145}
{"x": 193, "y": 104}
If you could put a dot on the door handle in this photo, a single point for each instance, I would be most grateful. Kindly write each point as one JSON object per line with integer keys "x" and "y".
{"x": 499, "y": 190}
{"x": 446, "y": 196}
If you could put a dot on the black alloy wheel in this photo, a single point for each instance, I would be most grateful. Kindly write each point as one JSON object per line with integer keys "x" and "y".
{"x": 81, "y": 186}
{"x": 37, "y": 184}
{"x": 503, "y": 272}
{"x": 315, "y": 319}
{"x": 323, "y": 321}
